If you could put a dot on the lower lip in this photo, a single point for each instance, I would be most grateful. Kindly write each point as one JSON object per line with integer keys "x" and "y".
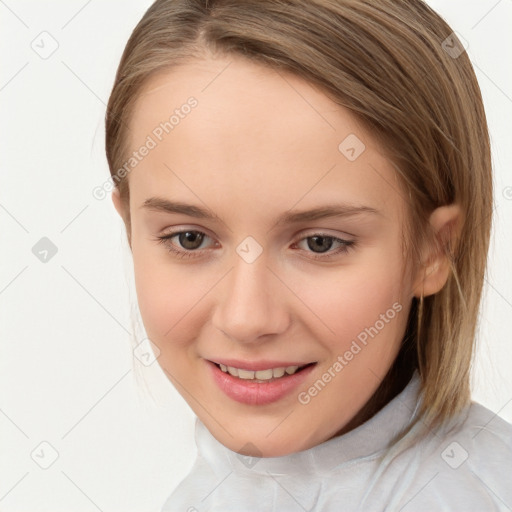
{"x": 251, "y": 392}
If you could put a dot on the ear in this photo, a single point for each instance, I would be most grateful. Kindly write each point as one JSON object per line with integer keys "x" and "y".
{"x": 121, "y": 210}
{"x": 446, "y": 224}
{"x": 116, "y": 199}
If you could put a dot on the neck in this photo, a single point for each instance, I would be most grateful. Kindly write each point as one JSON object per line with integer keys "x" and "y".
{"x": 393, "y": 383}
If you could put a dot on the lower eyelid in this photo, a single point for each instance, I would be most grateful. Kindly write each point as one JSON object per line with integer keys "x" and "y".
{"x": 331, "y": 255}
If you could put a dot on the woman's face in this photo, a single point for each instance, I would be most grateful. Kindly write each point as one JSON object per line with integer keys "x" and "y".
{"x": 290, "y": 252}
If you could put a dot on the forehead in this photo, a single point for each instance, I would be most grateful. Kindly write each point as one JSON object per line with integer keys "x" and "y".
{"x": 254, "y": 136}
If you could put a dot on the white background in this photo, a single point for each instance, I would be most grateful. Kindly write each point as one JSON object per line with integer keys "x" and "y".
{"x": 67, "y": 373}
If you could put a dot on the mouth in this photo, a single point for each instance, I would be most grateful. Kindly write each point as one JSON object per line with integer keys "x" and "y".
{"x": 258, "y": 387}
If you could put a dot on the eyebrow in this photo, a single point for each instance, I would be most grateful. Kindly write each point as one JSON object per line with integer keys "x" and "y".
{"x": 330, "y": 210}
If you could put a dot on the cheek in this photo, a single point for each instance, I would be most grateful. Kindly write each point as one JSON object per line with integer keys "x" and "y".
{"x": 167, "y": 296}
{"x": 363, "y": 301}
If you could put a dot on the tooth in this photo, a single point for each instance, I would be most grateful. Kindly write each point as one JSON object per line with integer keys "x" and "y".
{"x": 233, "y": 371}
{"x": 263, "y": 374}
{"x": 260, "y": 374}
{"x": 278, "y": 372}
{"x": 245, "y": 374}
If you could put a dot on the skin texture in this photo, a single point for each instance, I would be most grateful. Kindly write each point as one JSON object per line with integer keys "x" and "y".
{"x": 257, "y": 145}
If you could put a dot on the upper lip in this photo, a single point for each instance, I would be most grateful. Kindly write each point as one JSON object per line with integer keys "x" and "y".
{"x": 259, "y": 365}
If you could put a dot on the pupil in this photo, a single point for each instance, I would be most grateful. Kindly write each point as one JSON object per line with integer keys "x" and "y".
{"x": 323, "y": 243}
{"x": 190, "y": 239}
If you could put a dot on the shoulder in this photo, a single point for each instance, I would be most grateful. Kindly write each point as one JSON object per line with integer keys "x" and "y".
{"x": 487, "y": 435}
{"x": 464, "y": 466}
{"x": 480, "y": 439}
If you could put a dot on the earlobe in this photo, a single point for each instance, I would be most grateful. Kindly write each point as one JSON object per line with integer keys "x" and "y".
{"x": 446, "y": 225}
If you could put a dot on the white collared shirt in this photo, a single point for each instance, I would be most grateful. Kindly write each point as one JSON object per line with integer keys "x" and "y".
{"x": 465, "y": 469}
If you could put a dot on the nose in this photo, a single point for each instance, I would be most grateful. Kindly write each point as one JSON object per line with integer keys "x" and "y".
{"x": 252, "y": 303}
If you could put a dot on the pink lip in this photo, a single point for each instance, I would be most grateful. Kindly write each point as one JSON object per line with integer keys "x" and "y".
{"x": 259, "y": 365}
{"x": 256, "y": 393}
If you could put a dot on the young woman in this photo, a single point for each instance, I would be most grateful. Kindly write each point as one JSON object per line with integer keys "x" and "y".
{"x": 307, "y": 192}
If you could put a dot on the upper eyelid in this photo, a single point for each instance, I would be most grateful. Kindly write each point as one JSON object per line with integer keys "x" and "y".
{"x": 173, "y": 232}
{"x": 324, "y": 232}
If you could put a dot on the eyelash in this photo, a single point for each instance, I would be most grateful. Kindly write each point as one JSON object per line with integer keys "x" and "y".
{"x": 346, "y": 245}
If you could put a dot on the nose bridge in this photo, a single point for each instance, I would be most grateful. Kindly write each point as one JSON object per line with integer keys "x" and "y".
{"x": 251, "y": 303}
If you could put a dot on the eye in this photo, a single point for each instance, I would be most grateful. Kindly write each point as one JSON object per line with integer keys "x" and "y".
{"x": 190, "y": 243}
{"x": 321, "y": 244}
{"x": 190, "y": 240}
{"x": 186, "y": 244}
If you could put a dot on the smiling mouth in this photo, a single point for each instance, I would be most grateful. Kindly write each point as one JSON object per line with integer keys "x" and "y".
{"x": 262, "y": 376}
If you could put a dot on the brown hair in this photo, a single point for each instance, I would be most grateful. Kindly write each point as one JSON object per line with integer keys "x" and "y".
{"x": 397, "y": 66}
